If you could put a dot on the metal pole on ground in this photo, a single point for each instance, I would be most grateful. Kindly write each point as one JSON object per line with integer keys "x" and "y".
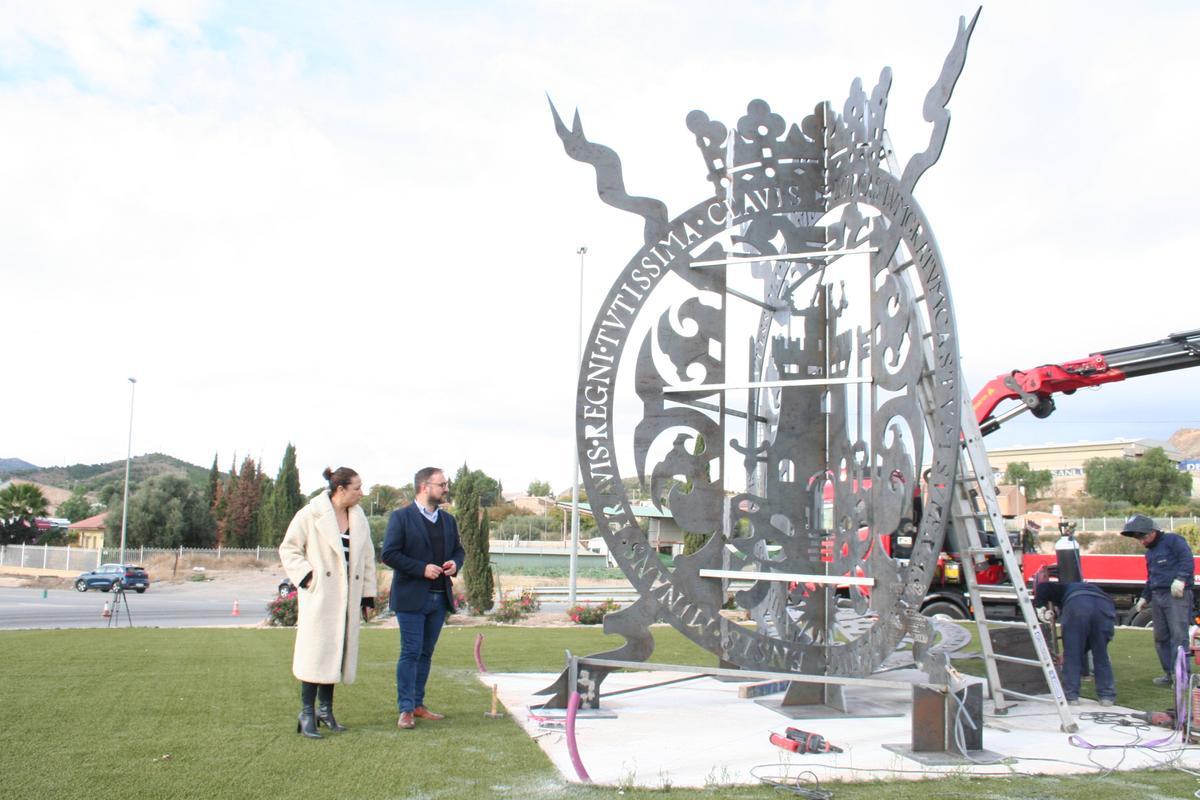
{"x": 574, "y": 572}
{"x": 128, "y": 455}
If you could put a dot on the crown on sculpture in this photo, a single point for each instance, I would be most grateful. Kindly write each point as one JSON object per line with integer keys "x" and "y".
{"x": 766, "y": 152}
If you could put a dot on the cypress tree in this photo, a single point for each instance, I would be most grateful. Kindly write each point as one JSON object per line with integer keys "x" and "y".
{"x": 289, "y": 484}
{"x": 483, "y": 557}
{"x": 214, "y": 483}
{"x": 476, "y": 572}
{"x": 282, "y": 502}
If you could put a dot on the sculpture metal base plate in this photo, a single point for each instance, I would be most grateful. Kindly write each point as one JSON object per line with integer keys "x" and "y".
{"x": 582, "y": 713}
{"x": 940, "y": 758}
{"x": 803, "y": 700}
{"x": 855, "y": 707}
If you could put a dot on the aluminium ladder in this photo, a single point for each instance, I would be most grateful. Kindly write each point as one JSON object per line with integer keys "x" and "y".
{"x": 974, "y": 482}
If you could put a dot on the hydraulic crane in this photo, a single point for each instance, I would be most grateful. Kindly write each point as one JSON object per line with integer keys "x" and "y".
{"x": 1034, "y": 388}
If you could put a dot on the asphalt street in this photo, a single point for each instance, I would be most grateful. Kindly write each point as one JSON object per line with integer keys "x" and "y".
{"x": 162, "y": 605}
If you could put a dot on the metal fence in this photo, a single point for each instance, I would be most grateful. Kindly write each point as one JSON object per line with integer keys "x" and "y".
{"x": 81, "y": 559}
{"x": 1114, "y": 524}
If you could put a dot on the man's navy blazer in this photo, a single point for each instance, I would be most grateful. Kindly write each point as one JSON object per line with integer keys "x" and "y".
{"x": 407, "y": 551}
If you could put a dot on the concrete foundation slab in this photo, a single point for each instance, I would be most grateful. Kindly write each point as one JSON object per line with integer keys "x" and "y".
{"x": 700, "y": 733}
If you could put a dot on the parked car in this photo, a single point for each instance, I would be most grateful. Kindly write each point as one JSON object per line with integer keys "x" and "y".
{"x": 106, "y": 576}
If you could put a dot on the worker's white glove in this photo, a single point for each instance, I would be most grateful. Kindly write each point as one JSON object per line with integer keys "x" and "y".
{"x": 1046, "y": 614}
{"x": 1142, "y": 605}
{"x": 1177, "y": 588}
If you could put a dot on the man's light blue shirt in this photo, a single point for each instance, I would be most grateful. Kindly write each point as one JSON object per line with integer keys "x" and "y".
{"x": 432, "y": 516}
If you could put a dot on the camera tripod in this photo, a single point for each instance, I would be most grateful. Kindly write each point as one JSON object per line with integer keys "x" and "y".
{"x": 119, "y": 602}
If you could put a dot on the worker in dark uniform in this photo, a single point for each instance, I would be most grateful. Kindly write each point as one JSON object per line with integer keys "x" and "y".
{"x": 1088, "y": 618}
{"x": 1170, "y": 573}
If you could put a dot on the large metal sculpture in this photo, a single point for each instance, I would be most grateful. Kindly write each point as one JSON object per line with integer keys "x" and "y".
{"x": 794, "y": 326}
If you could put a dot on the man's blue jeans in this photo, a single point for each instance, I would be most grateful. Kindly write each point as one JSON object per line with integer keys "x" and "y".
{"x": 419, "y": 631}
{"x": 1171, "y": 617}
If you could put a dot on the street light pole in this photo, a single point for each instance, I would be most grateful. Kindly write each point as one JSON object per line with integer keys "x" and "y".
{"x": 128, "y": 455}
{"x": 574, "y": 572}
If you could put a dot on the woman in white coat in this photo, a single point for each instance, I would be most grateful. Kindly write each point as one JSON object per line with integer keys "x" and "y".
{"x": 327, "y": 553}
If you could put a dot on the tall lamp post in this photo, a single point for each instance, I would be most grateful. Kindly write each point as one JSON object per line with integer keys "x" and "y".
{"x": 128, "y": 455}
{"x": 574, "y": 572}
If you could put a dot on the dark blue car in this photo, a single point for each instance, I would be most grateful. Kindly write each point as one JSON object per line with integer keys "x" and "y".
{"x": 106, "y": 576}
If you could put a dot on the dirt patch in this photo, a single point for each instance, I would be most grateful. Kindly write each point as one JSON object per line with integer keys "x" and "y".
{"x": 36, "y": 582}
{"x": 172, "y": 568}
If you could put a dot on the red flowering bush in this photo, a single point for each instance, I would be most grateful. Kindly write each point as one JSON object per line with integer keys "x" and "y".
{"x": 589, "y": 614}
{"x": 512, "y": 609}
{"x": 282, "y": 611}
{"x": 460, "y": 603}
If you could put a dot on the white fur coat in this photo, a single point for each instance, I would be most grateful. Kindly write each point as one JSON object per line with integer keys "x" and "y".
{"x": 329, "y": 609}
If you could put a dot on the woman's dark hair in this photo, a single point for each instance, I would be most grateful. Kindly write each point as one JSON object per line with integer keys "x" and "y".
{"x": 338, "y": 477}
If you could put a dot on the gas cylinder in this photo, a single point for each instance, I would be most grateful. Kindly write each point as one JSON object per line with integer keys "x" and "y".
{"x": 1066, "y": 552}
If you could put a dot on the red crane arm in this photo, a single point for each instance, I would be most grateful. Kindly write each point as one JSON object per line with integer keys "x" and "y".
{"x": 1035, "y": 387}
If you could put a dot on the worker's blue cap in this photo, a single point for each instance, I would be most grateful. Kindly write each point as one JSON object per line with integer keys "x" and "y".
{"x": 1138, "y": 525}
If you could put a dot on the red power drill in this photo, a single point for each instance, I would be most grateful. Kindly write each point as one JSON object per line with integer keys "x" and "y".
{"x": 798, "y": 741}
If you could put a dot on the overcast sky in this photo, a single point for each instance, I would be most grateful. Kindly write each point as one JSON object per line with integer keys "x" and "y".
{"x": 352, "y": 227}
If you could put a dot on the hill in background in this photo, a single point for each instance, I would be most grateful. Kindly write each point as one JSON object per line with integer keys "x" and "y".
{"x": 1187, "y": 442}
{"x": 93, "y": 477}
{"x": 8, "y": 465}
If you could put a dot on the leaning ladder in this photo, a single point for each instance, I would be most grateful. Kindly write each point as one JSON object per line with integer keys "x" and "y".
{"x": 974, "y": 482}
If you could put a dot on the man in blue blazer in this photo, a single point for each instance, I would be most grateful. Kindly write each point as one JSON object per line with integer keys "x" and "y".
{"x": 423, "y": 549}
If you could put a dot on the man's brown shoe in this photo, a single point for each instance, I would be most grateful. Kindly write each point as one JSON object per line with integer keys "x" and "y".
{"x": 425, "y": 713}
{"x": 406, "y": 720}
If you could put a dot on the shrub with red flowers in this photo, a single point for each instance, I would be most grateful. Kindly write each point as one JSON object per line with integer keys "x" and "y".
{"x": 516, "y": 607}
{"x": 282, "y": 611}
{"x": 460, "y": 602}
{"x": 591, "y": 614}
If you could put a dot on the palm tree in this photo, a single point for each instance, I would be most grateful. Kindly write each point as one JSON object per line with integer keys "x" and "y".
{"x": 20, "y": 505}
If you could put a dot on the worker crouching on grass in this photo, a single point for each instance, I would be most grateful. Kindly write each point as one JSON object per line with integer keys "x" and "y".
{"x": 1088, "y": 618}
{"x": 1170, "y": 573}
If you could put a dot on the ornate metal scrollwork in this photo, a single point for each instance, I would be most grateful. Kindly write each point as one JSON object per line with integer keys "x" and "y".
{"x": 795, "y": 328}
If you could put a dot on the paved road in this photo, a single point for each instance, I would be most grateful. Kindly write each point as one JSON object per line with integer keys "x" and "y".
{"x": 162, "y": 606}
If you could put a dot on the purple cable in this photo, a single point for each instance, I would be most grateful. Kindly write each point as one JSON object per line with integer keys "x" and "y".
{"x": 479, "y": 653}
{"x": 1181, "y": 680}
{"x": 572, "y": 746}
{"x": 1181, "y": 676}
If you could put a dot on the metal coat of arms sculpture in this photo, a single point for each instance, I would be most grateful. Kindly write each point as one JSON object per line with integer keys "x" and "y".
{"x": 792, "y": 333}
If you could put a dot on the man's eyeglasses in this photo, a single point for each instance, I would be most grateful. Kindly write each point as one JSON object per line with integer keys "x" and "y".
{"x": 441, "y": 485}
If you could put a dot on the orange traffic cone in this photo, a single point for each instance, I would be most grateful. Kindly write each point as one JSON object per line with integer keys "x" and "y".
{"x": 235, "y": 612}
{"x": 107, "y": 612}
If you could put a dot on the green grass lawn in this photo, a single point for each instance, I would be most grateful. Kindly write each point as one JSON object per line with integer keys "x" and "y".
{"x": 165, "y": 713}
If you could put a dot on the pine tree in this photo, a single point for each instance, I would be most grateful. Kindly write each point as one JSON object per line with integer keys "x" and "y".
{"x": 476, "y": 570}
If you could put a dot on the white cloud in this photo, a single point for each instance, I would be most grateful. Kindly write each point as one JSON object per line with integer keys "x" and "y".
{"x": 356, "y": 230}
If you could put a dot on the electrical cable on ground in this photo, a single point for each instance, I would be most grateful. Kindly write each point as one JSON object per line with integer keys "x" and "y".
{"x": 793, "y": 785}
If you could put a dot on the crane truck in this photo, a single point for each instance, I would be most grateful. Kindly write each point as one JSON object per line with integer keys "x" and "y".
{"x": 1122, "y": 576}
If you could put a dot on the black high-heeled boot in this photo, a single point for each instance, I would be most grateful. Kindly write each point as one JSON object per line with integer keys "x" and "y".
{"x": 307, "y": 723}
{"x": 325, "y": 717}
